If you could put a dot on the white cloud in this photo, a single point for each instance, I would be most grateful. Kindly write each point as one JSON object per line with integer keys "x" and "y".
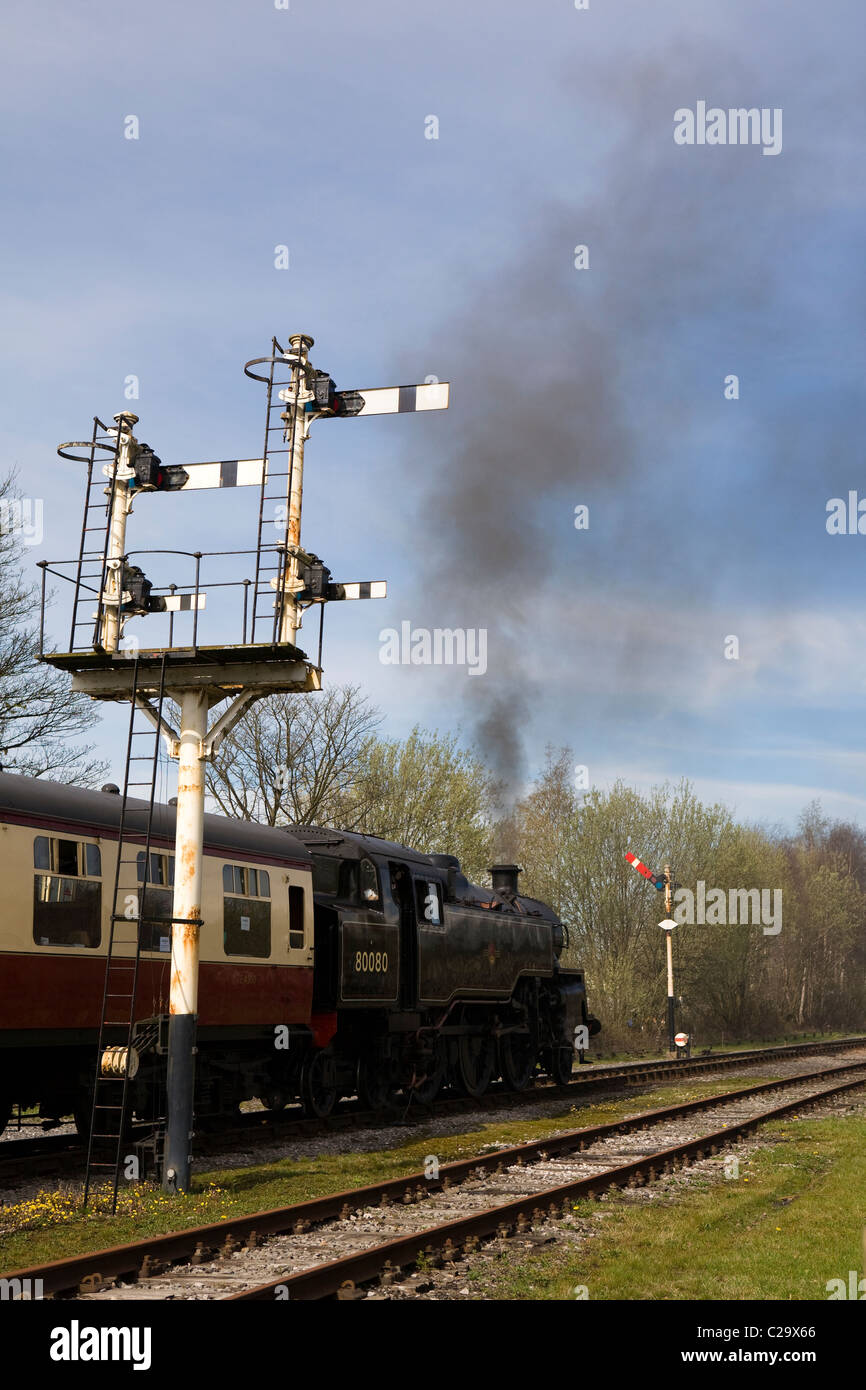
{"x": 627, "y": 646}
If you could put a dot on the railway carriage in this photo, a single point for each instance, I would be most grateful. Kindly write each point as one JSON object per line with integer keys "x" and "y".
{"x": 58, "y": 849}
{"x": 332, "y": 963}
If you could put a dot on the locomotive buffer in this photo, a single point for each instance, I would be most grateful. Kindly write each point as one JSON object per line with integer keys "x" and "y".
{"x": 286, "y": 582}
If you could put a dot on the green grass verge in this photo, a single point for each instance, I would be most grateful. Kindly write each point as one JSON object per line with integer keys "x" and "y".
{"x": 51, "y": 1226}
{"x": 790, "y": 1222}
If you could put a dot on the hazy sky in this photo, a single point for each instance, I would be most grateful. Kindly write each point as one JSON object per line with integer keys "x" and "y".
{"x": 604, "y": 387}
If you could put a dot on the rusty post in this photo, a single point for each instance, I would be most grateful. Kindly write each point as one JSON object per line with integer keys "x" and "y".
{"x": 296, "y": 426}
{"x": 186, "y": 912}
{"x": 118, "y": 490}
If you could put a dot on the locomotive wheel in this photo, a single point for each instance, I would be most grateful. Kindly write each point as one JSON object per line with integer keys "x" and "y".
{"x": 318, "y": 1085}
{"x": 426, "y": 1091}
{"x": 275, "y": 1099}
{"x": 376, "y": 1091}
{"x": 476, "y": 1063}
{"x": 561, "y": 1061}
{"x": 81, "y": 1113}
{"x": 517, "y": 1057}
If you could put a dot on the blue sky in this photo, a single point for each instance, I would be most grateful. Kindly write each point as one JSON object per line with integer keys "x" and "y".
{"x": 454, "y": 257}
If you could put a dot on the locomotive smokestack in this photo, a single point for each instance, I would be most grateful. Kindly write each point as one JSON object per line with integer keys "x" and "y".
{"x": 505, "y": 877}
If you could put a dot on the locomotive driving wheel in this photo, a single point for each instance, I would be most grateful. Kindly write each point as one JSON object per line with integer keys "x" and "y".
{"x": 476, "y": 1062}
{"x": 561, "y": 1061}
{"x": 428, "y": 1087}
{"x": 319, "y": 1085}
{"x": 275, "y": 1098}
{"x": 376, "y": 1090}
{"x": 518, "y": 1053}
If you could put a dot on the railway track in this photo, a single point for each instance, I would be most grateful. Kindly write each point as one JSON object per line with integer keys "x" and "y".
{"x": 64, "y": 1154}
{"x": 288, "y": 1253}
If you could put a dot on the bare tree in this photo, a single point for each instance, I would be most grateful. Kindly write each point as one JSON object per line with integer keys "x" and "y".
{"x": 40, "y": 720}
{"x": 293, "y": 759}
{"x": 315, "y": 759}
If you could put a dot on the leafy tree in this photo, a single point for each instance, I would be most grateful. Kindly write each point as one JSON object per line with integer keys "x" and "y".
{"x": 427, "y": 792}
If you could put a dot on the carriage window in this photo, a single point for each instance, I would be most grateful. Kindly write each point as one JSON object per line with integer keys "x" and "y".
{"x": 67, "y": 897}
{"x": 246, "y": 911}
{"x": 428, "y": 898}
{"x": 296, "y": 917}
{"x": 158, "y": 902}
{"x": 68, "y": 857}
{"x": 161, "y": 869}
{"x": 247, "y": 883}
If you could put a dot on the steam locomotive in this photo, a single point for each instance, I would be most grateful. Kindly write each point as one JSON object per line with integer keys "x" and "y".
{"x": 331, "y": 963}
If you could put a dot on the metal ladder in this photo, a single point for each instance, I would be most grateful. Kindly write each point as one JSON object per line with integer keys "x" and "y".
{"x": 110, "y": 1103}
{"x": 265, "y": 621}
{"x": 90, "y": 581}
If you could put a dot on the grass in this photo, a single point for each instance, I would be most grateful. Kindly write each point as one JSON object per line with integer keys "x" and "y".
{"x": 653, "y": 1052}
{"x": 50, "y": 1226}
{"x": 791, "y": 1221}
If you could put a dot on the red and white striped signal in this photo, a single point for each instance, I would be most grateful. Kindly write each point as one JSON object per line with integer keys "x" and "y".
{"x": 657, "y": 880}
{"x": 641, "y": 868}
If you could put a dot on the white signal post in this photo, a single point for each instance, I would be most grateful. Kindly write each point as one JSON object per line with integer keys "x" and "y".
{"x": 119, "y": 474}
{"x": 296, "y": 431}
{"x": 669, "y": 907}
{"x": 186, "y": 930}
{"x": 667, "y": 927}
{"x": 244, "y": 676}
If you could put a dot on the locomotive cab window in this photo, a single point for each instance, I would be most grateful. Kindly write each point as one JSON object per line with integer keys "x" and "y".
{"x": 157, "y": 901}
{"x": 369, "y": 882}
{"x": 246, "y": 911}
{"x": 67, "y": 892}
{"x": 428, "y": 897}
